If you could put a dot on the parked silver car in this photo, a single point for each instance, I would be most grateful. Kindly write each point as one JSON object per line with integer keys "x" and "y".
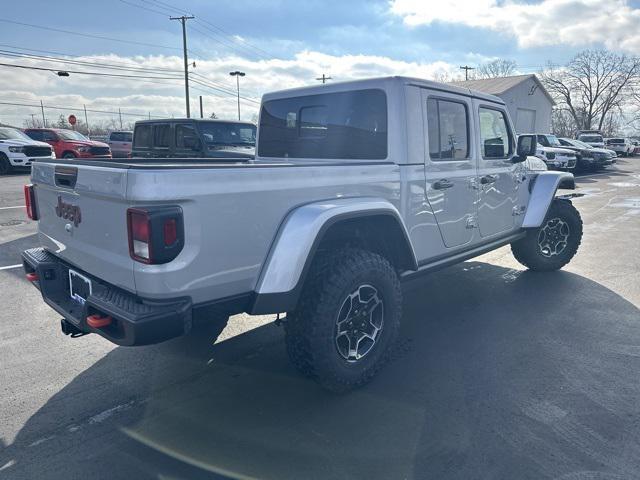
{"x": 120, "y": 143}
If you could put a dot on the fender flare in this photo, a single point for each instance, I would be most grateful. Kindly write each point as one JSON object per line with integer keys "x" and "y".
{"x": 290, "y": 256}
{"x": 543, "y": 189}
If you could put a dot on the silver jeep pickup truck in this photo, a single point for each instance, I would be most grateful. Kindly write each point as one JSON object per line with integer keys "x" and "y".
{"x": 355, "y": 188}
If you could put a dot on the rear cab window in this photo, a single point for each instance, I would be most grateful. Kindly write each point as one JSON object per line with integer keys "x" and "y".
{"x": 340, "y": 125}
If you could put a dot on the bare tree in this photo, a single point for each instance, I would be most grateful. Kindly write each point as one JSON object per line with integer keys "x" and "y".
{"x": 593, "y": 84}
{"x": 562, "y": 122}
{"x": 497, "y": 68}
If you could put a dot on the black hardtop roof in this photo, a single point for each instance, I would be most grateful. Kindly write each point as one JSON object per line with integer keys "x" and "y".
{"x": 186, "y": 120}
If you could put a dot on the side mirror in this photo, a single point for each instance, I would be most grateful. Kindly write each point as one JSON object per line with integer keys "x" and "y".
{"x": 527, "y": 145}
{"x": 192, "y": 142}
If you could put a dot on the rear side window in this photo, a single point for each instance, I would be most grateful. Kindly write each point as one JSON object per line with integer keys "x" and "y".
{"x": 121, "y": 136}
{"x": 162, "y": 135}
{"x": 49, "y": 136}
{"x": 35, "y": 134}
{"x": 448, "y": 130}
{"x": 344, "y": 125}
{"x": 494, "y": 134}
{"x": 142, "y": 136}
{"x": 187, "y": 131}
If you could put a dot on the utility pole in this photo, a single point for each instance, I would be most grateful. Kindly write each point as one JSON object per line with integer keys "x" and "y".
{"x": 120, "y": 115}
{"x": 466, "y": 69}
{"x": 86, "y": 120}
{"x": 323, "y": 78}
{"x": 183, "y": 20}
{"x": 201, "y": 116}
{"x": 44, "y": 120}
{"x": 238, "y": 74}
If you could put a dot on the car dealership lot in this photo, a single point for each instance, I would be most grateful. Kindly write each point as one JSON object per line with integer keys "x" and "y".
{"x": 498, "y": 373}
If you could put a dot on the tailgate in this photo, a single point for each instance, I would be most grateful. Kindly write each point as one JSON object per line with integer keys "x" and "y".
{"x": 82, "y": 212}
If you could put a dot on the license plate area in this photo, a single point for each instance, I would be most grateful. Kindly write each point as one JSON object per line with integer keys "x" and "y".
{"x": 79, "y": 287}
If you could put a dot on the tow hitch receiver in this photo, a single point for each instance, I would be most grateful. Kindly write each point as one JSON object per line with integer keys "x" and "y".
{"x": 70, "y": 329}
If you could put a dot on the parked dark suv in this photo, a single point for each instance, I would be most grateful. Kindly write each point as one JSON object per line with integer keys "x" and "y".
{"x": 197, "y": 138}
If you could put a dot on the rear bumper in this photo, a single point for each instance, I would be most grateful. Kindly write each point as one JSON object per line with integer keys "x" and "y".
{"x": 135, "y": 320}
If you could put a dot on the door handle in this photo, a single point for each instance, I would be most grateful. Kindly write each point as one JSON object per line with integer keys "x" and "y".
{"x": 488, "y": 179}
{"x": 442, "y": 184}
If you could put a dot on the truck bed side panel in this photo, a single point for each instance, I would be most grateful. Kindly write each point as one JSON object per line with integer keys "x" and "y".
{"x": 232, "y": 215}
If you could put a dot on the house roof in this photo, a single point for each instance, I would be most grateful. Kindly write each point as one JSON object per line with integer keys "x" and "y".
{"x": 499, "y": 85}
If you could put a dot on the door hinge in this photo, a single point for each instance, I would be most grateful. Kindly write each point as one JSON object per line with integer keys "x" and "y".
{"x": 518, "y": 210}
{"x": 472, "y": 222}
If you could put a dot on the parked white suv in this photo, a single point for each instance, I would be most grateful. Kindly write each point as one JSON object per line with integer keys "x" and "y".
{"x": 17, "y": 150}
{"x": 551, "y": 152}
{"x": 622, "y": 146}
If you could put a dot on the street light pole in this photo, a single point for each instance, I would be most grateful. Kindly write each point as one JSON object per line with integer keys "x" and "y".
{"x": 183, "y": 20}
{"x": 238, "y": 74}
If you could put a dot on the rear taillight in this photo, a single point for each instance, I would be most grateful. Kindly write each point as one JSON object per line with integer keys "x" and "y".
{"x": 156, "y": 234}
{"x": 30, "y": 202}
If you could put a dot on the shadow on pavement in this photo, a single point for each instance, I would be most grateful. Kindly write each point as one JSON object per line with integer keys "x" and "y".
{"x": 498, "y": 373}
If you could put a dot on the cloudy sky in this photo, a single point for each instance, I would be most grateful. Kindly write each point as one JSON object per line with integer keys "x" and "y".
{"x": 278, "y": 43}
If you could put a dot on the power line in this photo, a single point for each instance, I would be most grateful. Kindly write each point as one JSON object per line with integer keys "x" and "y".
{"x": 88, "y": 35}
{"x": 58, "y": 107}
{"x": 201, "y": 79}
{"x": 102, "y": 74}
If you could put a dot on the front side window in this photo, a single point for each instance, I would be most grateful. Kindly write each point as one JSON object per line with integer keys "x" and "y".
{"x": 342, "y": 125}
{"x": 216, "y": 133}
{"x": 448, "y": 130}
{"x": 49, "y": 136}
{"x": 494, "y": 134}
{"x": 162, "y": 135}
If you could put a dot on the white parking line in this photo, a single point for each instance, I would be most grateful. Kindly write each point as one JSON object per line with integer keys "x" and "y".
{"x": 9, "y": 267}
{"x": 8, "y": 208}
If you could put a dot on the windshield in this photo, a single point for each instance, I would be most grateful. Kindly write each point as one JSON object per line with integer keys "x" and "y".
{"x": 231, "y": 134}
{"x": 71, "y": 135}
{"x": 615, "y": 140}
{"x": 12, "y": 134}
{"x": 553, "y": 141}
{"x": 578, "y": 143}
{"x": 591, "y": 138}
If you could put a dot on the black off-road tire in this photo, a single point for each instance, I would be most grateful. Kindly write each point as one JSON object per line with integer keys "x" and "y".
{"x": 311, "y": 330}
{"x": 5, "y": 165}
{"x": 528, "y": 250}
{"x": 68, "y": 155}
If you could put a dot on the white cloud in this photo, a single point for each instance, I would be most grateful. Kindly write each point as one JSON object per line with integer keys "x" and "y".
{"x": 613, "y": 23}
{"x": 167, "y": 97}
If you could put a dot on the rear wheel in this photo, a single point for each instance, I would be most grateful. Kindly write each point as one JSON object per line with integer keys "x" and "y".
{"x": 347, "y": 319}
{"x": 5, "y": 165}
{"x": 68, "y": 155}
{"x": 552, "y": 245}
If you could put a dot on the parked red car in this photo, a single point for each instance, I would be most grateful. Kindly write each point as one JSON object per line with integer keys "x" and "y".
{"x": 69, "y": 143}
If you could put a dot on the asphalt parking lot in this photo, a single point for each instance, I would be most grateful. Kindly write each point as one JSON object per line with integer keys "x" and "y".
{"x": 498, "y": 373}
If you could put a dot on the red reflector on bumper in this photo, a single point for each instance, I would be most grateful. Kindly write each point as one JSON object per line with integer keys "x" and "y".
{"x": 98, "y": 321}
{"x": 32, "y": 277}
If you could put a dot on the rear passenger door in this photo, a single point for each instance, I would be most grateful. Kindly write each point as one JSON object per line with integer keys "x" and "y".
{"x": 450, "y": 166}
{"x": 187, "y": 142}
{"x": 498, "y": 176}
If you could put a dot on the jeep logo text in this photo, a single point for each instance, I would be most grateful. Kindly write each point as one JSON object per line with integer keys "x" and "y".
{"x": 68, "y": 212}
